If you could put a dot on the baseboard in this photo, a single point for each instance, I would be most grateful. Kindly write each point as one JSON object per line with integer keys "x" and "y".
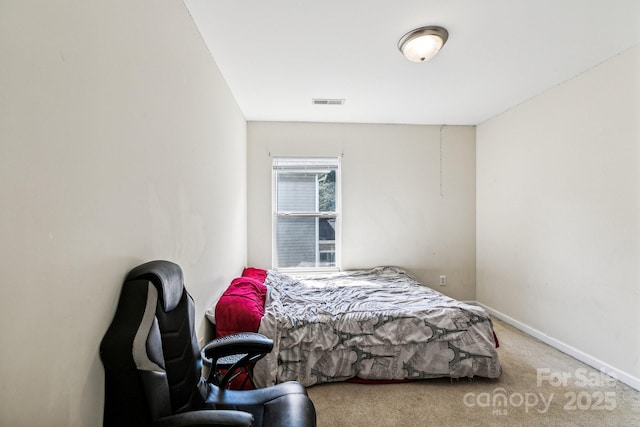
{"x": 622, "y": 376}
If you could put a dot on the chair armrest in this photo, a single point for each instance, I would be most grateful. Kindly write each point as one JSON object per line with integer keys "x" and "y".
{"x": 250, "y": 347}
{"x": 244, "y": 342}
{"x": 212, "y": 418}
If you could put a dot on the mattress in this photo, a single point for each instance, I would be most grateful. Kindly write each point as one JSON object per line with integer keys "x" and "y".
{"x": 378, "y": 324}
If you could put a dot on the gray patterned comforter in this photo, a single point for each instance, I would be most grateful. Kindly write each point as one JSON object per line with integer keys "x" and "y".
{"x": 379, "y": 324}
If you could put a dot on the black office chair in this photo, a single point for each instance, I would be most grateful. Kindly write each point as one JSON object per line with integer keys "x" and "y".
{"x": 153, "y": 366}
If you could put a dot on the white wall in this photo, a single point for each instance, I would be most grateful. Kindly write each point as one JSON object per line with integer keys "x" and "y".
{"x": 558, "y": 224}
{"x": 393, "y": 211}
{"x": 120, "y": 143}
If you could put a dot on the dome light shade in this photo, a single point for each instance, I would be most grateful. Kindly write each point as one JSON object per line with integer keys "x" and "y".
{"x": 423, "y": 43}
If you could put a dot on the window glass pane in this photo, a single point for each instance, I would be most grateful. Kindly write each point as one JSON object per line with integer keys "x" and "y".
{"x": 327, "y": 191}
{"x": 296, "y": 242}
{"x": 305, "y": 242}
{"x": 296, "y": 192}
{"x": 306, "y": 191}
{"x": 327, "y": 229}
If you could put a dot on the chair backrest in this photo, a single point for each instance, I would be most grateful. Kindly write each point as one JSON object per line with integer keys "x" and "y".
{"x": 150, "y": 352}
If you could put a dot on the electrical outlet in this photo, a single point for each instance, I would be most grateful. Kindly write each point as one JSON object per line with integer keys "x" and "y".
{"x": 443, "y": 280}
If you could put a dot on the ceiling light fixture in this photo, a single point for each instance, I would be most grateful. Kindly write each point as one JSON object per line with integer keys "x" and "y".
{"x": 423, "y": 43}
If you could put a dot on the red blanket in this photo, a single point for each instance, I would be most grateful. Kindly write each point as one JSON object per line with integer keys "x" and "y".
{"x": 241, "y": 306}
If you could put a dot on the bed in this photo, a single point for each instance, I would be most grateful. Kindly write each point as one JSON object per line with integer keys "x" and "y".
{"x": 372, "y": 325}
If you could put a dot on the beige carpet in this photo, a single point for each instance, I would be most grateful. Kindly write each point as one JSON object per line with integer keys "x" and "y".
{"x": 539, "y": 386}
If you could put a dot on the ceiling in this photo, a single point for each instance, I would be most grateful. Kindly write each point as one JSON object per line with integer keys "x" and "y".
{"x": 278, "y": 55}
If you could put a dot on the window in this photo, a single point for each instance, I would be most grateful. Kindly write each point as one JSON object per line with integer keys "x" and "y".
{"x": 306, "y": 219}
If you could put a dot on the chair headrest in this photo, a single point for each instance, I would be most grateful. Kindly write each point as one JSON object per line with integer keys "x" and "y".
{"x": 166, "y": 276}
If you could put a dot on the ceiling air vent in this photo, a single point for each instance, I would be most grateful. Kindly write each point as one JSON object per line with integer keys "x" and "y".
{"x": 318, "y": 101}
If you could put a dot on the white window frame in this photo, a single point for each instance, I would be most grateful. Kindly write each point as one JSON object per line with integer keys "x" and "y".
{"x": 337, "y": 214}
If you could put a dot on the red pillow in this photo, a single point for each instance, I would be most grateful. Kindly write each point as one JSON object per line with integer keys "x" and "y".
{"x": 255, "y": 273}
{"x": 240, "y": 307}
